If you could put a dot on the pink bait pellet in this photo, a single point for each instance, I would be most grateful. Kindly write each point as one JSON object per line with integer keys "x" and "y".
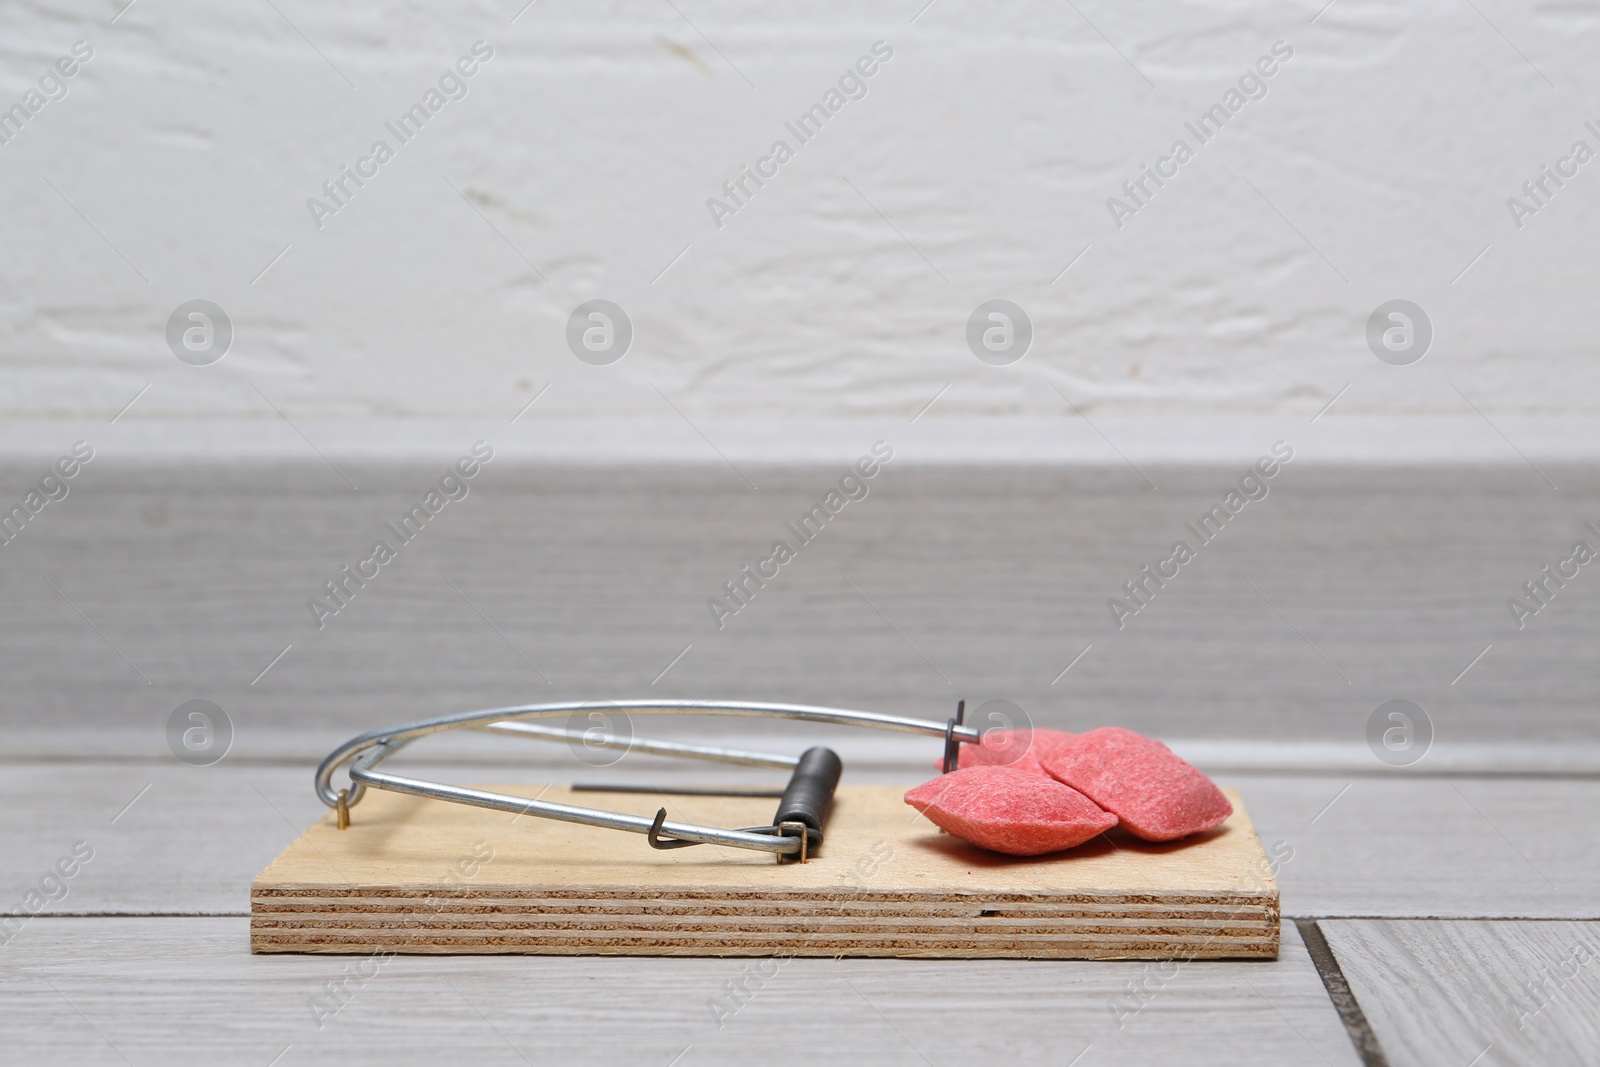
{"x": 1156, "y": 795}
{"x": 1020, "y": 813}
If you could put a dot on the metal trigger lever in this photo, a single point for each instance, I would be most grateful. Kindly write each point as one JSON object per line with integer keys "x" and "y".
{"x": 653, "y": 835}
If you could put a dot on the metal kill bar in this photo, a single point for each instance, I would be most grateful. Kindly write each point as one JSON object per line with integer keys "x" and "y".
{"x": 421, "y": 728}
{"x": 787, "y": 838}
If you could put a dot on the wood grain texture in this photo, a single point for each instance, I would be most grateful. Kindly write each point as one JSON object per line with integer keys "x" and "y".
{"x": 414, "y": 875}
{"x": 1485, "y": 993}
{"x": 187, "y": 991}
{"x": 983, "y": 582}
{"x": 1389, "y": 846}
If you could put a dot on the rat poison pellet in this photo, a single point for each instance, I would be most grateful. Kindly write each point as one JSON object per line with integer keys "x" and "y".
{"x": 1155, "y": 794}
{"x": 1017, "y": 812}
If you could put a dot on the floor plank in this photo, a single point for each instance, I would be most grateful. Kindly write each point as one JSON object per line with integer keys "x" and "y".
{"x": 1431, "y": 847}
{"x": 177, "y": 991}
{"x": 1470, "y": 991}
{"x": 1381, "y": 847}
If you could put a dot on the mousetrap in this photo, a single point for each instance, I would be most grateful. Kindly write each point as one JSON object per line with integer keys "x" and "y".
{"x": 835, "y": 871}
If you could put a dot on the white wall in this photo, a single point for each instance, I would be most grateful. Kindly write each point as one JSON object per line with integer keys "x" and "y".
{"x": 990, "y": 141}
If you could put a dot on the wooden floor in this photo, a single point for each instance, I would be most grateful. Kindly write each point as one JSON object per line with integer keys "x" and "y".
{"x": 1446, "y": 913}
{"x": 1453, "y": 916}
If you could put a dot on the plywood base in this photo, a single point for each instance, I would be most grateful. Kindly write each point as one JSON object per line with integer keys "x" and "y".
{"x": 413, "y": 875}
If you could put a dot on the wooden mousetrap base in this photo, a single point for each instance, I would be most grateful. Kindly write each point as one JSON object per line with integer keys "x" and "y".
{"x": 414, "y": 875}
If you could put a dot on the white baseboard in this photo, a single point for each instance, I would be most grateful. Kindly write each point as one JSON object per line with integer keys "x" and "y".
{"x": 979, "y": 565}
